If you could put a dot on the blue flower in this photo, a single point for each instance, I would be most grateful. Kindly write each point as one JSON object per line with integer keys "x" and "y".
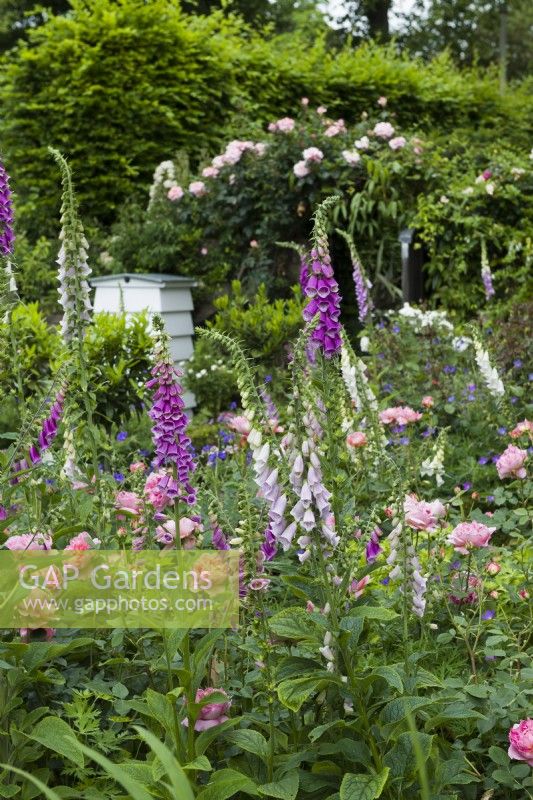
{"x": 483, "y": 460}
{"x": 517, "y": 363}
{"x": 404, "y": 440}
{"x": 488, "y": 614}
{"x": 385, "y": 581}
{"x": 381, "y": 356}
{"x": 449, "y": 369}
{"x": 121, "y": 435}
{"x": 222, "y": 455}
{"x": 387, "y": 388}
{"x": 118, "y": 476}
{"x": 471, "y": 387}
{"x": 268, "y": 378}
{"x": 451, "y": 399}
{"x": 502, "y": 431}
{"x": 233, "y": 405}
{"x": 396, "y": 329}
{"x": 467, "y": 486}
{"x": 514, "y": 400}
{"x": 144, "y": 452}
{"x": 490, "y": 498}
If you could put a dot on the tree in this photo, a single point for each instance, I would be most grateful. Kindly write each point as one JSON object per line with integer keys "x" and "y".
{"x": 472, "y": 30}
{"x": 363, "y": 19}
{"x": 17, "y": 16}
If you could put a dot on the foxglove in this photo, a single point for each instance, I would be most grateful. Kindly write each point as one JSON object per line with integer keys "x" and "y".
{"x": 7, "y": 236}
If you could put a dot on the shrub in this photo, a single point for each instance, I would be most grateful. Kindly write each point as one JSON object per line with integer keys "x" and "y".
{"x": 119, "y": 87}
{"x": 263, "y": 190}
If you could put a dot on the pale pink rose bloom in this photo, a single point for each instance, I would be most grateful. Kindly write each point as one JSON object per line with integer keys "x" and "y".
{"x": 211, "y": 714}
{"x": 301, "y": 169}
{"x": 175, "y": 193}
{"x": 83, "y": 541}
{"x": 382, "y": 101}
{"x": 427, "y": 401}
{"x": 467, "y": 535}
{"x": 155, "y": 496}
{"x": 128, "y": 502}
{"x": 240, "y": 424}
{"x": 351, "y": 157}
{"x": 254, "y": 243}
{"x": 363, "y": 143}
{"x": 25, "y": 633}
{"x": 357, "y": 588}
{"x": 313, "y": 155}
{"x": 137, "y": 466}
{"x": 397, "y": 143}
{"x": 304, "y": 101}
{"x": 356, "y": 439}
{"x": 321, "y": 110}
{"x": 209, "y": 172}
{"x": 197, "y": 188}
{"x": 511, "y": 463}
{"x": 521, "y": 741}
{"x": 523, "y": 427}
{"x": 29, "y": 541}
{"x": 218, "y": 162}
{"x": 422, "y": 516}
{"x": 492, "y": 568}
{"x": 384, "y": 130}
{"x": 260, "y": 148}
{"x": 335, "y": 128}
{"x": 284, "y": 125}
{"x": 204, "y": 251}
{"x": 401, "y": 415}
{"x": 166, "y": 533}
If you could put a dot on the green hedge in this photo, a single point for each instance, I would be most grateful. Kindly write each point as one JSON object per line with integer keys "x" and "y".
{"x": 120, "y": 87}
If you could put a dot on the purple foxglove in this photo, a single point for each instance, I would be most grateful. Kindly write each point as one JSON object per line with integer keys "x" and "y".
{"x": 7, "y": 237}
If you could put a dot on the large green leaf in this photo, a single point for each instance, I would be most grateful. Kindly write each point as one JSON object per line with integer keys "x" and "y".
{"x": 363, "y": 787}
{"x": 206, "y": 737}
{"x": 293, "y": 693}
{"x": 284, "y": 789}
{"x": 294, "y": 623}
{"x": 251, "y": 741}
{"x": 397, "y": 709}
{"x": 374, "y": 612}
{"x": 55, "y": 734}
{"x": 402, "y": 758}
{"x": 226, "y": 783}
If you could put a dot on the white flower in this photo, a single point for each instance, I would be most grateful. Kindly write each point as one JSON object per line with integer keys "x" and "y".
{"x": 351, "y": 157}
{"x": 489, "y": 188}
{"x": 489, "y": 373}
{"x": 364, "y": 343}
{"x": 443, "y": 199}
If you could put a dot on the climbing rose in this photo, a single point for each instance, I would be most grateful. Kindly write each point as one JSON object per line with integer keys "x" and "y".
{"x": 382, "y": 101}
{"x": 175, "y": 193}
{"x": 427, "y": 401}
{"x": 197, "y": 188}
{"x": 312, "y": 154}
{"x": 523, "y": 427}
{"x": 300, "y": 169}
{"x": 521, "y": 741}
{"x": 128, "y": 502}
{"x": 401, "y": 415}
{"x": 384, "y": 130}
{"x": 351, "y": 157}
{"x": 511, "y": 463}
{"x": 29, "y": 541}
{"x": 397, "y": 143}
{"x": 467, "y": 535}
{"x": 284, "y": 125}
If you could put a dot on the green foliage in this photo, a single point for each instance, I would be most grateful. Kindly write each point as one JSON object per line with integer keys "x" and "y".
{"x": 119, "y": 87}
{"x": 36, "y": 346}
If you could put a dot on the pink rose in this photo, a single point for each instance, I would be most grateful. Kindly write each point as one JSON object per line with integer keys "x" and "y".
{"x": 304, "y": 101}
{"x": 240, "y": 424}
{"x": 209, "y": 172}
{"x": 29, "y": 541}
{"x": 335, "y": 128}
{"x": 427, "y": 401}
{"x": 83, "y": 541}
{"x": 321, "y": 110}
{"x": 155, "y": 495}
{"x": 492, "y": 568}
{"x": 260, "y": 148}
{"x": 284, "y": 125}
{"x": 128, "y": 503}
{"x": 521, "y": 741}
{"x": 175, "y": 193}
{"x": 397, "y": 143}
{"x": 511, "y": 463}
{"x": 384, "y": 130}
{"x": 382, "y": 101}
{"x": 351, "y": 157}
{"x": 137, "y": 466}
{"x": 357, "y": 439}
{"x": 166, "y": 533}
{"x": 401, "y": 415}
{"x": 254, "y": 243}
{"x": 211, "y": 714}
{"x": 420, "y": 515}
{"x": 197, "y": 188}
{"x": 523, "y": 427}
{"x": 301, "y": 169}
{"x": 468, "y": 535}
{"x": 312, "y": 155}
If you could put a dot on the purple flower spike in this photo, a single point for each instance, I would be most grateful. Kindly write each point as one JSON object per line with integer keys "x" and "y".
{"x": 7, "y": 237}
{"x": 373, "y": 548}
{"x": 172, "y": 445}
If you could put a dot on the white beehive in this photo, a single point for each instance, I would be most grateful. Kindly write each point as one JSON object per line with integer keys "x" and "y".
{"x": 167, "y": 295}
